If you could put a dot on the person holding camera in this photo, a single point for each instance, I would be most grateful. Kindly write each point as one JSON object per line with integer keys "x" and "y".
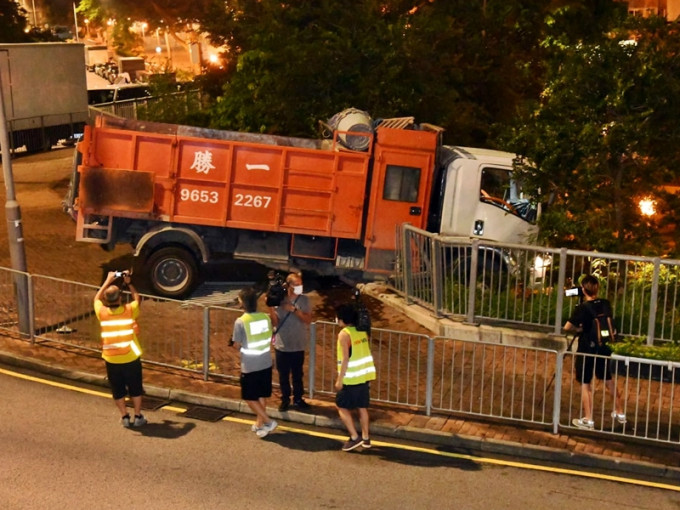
{"x": 355, "y": 371}
{"x": 290, "y": 319}
{"x": 120, "y": 347}
{"x": 253, "y": 336}
{"x": 592, "y": 321}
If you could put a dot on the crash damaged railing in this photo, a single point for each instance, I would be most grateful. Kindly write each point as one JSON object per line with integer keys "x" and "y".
{"x": 525, "y": 285}
{"x": 469, "y": 378}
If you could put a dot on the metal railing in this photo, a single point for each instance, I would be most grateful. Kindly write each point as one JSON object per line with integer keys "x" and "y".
{"x": 524, "y": 285}
{"x": 40, "y": 133}
{"x": 532, "y": 386}
{"x": 182, "y": 102}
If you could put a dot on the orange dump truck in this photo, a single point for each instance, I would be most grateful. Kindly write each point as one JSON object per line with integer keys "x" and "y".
{"x": 183, "y": 196}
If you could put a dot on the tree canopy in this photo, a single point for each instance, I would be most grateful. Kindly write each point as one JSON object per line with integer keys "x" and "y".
{"x": 12, "y": 22}
{"x": 603, "y": 136}
{"x": 452, "y": 63}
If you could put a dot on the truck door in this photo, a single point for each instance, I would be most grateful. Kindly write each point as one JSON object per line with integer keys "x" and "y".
{"x": 399, "y": 194}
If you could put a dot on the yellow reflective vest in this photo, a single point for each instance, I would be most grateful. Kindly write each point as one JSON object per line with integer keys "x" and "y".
{"x": 360, "y": 368}
{"x": 259, "y": 331}
{"x": 119, "y": 341}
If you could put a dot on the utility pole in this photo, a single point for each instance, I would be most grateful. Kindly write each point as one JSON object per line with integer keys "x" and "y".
{"x": 14, "y": 225}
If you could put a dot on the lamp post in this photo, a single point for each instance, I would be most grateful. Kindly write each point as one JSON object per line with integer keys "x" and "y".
{"x": 14, "y": 227}
{"x": 35, "y": 19}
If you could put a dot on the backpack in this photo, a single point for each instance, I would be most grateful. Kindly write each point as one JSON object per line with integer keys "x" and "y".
{"x": 602, "y": 328}
{"x": 363, "y": 316}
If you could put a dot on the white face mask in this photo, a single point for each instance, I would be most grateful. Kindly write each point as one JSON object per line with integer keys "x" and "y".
{"x": 297, "y": 290}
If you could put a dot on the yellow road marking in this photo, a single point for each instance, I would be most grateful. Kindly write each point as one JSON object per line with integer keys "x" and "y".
{"x": 418, "y": 449}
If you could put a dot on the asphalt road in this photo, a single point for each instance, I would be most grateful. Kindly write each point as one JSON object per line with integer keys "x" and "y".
{"x": 63, "y": 447}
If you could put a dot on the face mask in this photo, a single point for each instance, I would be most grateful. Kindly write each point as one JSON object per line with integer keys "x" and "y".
{"x": 297, "y": 290}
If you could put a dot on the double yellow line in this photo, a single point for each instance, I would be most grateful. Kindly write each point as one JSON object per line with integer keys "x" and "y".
{"x": 418, "y": 449}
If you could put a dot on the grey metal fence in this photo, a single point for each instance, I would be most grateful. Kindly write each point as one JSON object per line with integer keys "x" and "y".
{"x": 183, "y": 102}
{"x": 493, "y": 380}
{"x": 533, "y": 386}
{"x": 525, "y": 285}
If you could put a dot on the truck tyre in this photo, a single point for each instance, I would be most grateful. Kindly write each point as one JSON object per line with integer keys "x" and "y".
{"x": 172, "y": 272}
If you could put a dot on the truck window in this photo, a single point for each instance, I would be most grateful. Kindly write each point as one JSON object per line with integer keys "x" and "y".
{"x": 497, "y": 187}
{"x": 401, "y": 183}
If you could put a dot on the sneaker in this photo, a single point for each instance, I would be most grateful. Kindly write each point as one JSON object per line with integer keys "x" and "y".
{"x": 620, "y": 417}
{"x": 266, "y": 429}
{"x": 301, "y": 404}
{"x": 366, "y": 443}
{"x": 125, "y": 420}
{"x": 253, "y": 428}
{"x": 139, "y": 420}
{"x": 351, "y": 444}
{"x": 284, "y": 406}
{"x": 583, "y": 423}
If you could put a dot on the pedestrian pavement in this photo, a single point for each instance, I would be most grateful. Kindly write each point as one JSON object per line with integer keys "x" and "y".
{"x": 443, "y": 431}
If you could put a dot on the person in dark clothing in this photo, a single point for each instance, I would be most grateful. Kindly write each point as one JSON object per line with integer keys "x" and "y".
{"x": 591, "y": 342}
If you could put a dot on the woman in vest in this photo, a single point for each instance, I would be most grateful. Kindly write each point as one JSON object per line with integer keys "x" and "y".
{"x": 355, "y": 370}
{"x": 253, "y": 336}
{"x": 120, "y": 347}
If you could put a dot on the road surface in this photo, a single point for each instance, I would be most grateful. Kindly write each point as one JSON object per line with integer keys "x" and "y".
{"x": 63, "y": 447}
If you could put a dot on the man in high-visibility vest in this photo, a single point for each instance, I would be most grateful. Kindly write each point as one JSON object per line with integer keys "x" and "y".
{"x": 120, "y": 347}
{"x": 355, "y": 370}
{"x": 253, "y": 336}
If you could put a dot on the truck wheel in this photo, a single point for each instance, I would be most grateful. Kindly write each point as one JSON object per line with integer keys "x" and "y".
{"x": 172, "y": 272}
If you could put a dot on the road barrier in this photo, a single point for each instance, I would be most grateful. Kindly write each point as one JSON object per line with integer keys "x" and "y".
{"x": 484, "y": 380}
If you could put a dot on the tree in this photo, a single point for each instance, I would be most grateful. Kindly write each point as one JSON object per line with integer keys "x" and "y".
{"x": 451, "y": 63}
{"x": 603, "y": 137}
{"x": 12, "y": 22}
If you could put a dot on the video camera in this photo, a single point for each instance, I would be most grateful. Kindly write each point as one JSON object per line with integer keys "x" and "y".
{"x": 363, "y": 317}
{"x": 276, "y": 289}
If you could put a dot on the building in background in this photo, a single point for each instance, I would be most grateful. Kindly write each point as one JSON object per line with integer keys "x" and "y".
{"x": 668, "y": 8}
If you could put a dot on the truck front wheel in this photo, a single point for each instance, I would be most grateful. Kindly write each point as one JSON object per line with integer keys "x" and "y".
{"x": 172, "y": 272}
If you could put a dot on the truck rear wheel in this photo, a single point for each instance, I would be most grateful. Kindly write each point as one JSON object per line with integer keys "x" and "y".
{"x": 172, "y": 272}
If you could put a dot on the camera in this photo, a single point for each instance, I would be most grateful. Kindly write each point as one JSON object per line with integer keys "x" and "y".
{"x": 277, "y": 288}
{"x": 118, "y": 274}
{"x": 363, "y": 316}
{"x": 574, "y": 292}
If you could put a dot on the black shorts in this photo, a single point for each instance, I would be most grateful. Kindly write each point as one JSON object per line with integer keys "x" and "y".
{"x": 586, "y": 365}
{"x": 125, "y": 378}
{"x": 353, "y": 396}
{"x": 256, "y": 385}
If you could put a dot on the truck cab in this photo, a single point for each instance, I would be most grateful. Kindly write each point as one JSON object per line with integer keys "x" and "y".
{"x": 477, "y": 196}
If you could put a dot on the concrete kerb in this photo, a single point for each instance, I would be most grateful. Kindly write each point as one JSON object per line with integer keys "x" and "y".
{"x": 468, "y": 444}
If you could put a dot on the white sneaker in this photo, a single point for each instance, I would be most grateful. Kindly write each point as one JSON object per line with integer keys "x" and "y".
{"x": 583, "y": 423}
{"x": 266, "y": 429}
{"x": 253, "y": 428}
{"x": 620, "y": 417}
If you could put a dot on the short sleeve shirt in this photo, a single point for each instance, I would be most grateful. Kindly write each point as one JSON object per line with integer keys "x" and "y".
{"x": 583, "y": 318}
{"x": 249, "y": 363}
{"x": 292, "y": 332}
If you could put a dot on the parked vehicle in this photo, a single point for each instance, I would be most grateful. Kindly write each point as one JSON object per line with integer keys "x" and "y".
{"x": 95, "y": 55}
{"x": 184, "y": 196}
{"x": 117, "y": 93}
{"x": 45, "y": 92}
